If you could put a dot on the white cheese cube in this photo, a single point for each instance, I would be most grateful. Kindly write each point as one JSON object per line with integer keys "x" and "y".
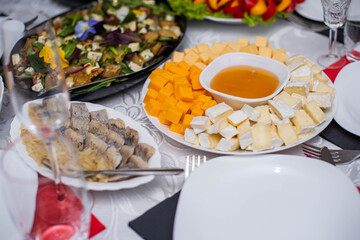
{"x": 16, "y": 59}
{"x": 37, "y": 87}
{"x": 323, "y": 99}
{"x": 315, "y": 112}
{"x": 94, "y": 56}
{"x": 133, "y": 66}
{"x": 293, "y": 102}
{"x": 287, "y": 133}
{"x": 295, "y": 65}
{"x": 275, "y": 138}
{"x": 209, "y": 140}
{"x": 323, "y": 87}
{"x": 237, "y": 117}
{"x": 281, "y": 109}
{"x": 146, "y": 55}
{"x": 228, "y": 145}
{"x": 122, "y": 12}
{"x": 200, "y": 124}
{"x": 191, "y": 137}
{"x": 134, "y": 46}
{"x": 321, "y": 78}
{"x": 229, "y": 131}
{"x": 245, "y": 140}
{"x": 30, "y": 71}
{"x": 218, "y": 126}
{"x": 274, "y": 119}
{"x": 261, "y": 135}
{"x": 300, "y": 97}
{"x": 218, "y": 111}
{"x": 304, "y": 135}
{"x": 303, "y": 122}
{"x": 302, "y": 73}
{"x": 251, "y": 112}
{"x": 294, "y": 58}
{"x": 264, "y": 117}
{"x": 297, "y": 86}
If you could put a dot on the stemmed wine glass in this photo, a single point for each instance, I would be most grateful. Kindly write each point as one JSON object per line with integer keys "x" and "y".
{"x": 33, "y": 70}
{"x": 36, "y": 208}
{"x": 334, "y": 17}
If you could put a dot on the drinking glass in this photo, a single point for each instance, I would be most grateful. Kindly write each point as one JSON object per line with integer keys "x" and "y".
{"x": 352, "y": 32}
{"x": 33, "y": 70}
{"x": 334, "y": 17}
{"x": 33, "y": 201}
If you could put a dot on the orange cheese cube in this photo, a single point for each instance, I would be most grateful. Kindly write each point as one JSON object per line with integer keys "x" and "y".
{"x": 208, "y": 104}
{"x": 186, "y": 120}
{"x": 249, "y": 49}
{"x": 204, "y": 98}
{"x": 181, "y": 82}
{"x": 156, "y": 72}
{"x": 197, "y": 111}
{"x": 153, "y": 107}
{"x": 212, "y": 58}
{"x": 176, "y": 128}
{"x": 151, "y": 93}
{"x": 168, "y": 75}
{"x": 197, "y": 104}
{"x": 168, "y": 64}
{"x": 217, "y": 48}
{"x": 178, "y": 71}
{"x": 168, "y": 102}
{"x": 280, "y": 56}
{"x": 195, "y": 82}
{"x": 227, "y": 49}
{"x": 194, "y": 70}
{"x": 200, "y": 65}
{"x": 182, "y": 106}
{"x": 243, "y": 42}
{"x": 235, "y": 46}
{"x": 265, "y": 52}
{"x": 157, "y": 82}
{"x": 165, "y": 92}
{"x": 198, "y": 93}
{"x": 261, "y": 41}
{"x": 205, "y": 56}
{"x": 173, "y": 115}
{"x": 191, "y": 58}
{"x": 184, "y": 93}
{"x": 184, "y": 65}
{"x": 170, "y": 85}
{"x": 162, "y": 118}
{"x": 202, "y": 47}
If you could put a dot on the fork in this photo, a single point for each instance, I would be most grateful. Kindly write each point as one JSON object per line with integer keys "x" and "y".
{"x": 339, "y": 156}
{"x": 192, "y": 162}
{"x": 125, "y": 171}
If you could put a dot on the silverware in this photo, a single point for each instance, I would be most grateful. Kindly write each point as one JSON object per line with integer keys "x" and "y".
{"x": 192, "y": 162}
{"x": 127, "y": 172}
{"x": 339, "y": 156}
{"x": 325, "y": 155}
{"x": 306, "y": 23}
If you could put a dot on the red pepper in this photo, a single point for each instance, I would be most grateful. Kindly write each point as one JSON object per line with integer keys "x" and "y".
{"x": 300, "y": 1}
{"x": 249, "y": 4}
{"x": 291, "y": 7}
{"x": 271, "y": 10}
{"x": 234, "y": 7}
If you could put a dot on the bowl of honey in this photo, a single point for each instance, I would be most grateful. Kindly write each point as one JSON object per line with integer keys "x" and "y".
{"x": 241, "y": 78}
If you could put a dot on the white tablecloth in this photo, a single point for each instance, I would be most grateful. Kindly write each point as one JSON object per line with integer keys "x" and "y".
{"x": 116, "y": 209}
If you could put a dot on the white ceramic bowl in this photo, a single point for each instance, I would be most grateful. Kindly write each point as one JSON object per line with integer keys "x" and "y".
{"x": 1, "y": 91}
{"x": 238, "y": 58}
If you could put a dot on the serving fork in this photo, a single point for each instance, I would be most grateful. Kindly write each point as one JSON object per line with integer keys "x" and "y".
{"x": 338, "y": 156}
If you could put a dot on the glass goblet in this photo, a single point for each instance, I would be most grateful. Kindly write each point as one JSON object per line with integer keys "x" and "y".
{"x": 334, "y": 17}
{"x": 32, "y": 200}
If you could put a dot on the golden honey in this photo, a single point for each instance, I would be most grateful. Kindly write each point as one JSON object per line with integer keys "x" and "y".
{"x": 245, "y": 81}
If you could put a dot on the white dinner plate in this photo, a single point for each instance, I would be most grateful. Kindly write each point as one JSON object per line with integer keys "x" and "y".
{"x": 224, "y": 20}
{"x": 311, "y": 9}
{"x": 347, "y": 87}
{"x": 272, "y": 197}
{"x": 180, "y": 138}
{"x": 144, "y": 137}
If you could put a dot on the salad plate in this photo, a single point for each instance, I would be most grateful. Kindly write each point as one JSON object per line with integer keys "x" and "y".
{"x": 330, "y": 113}
{"x": 119, "y": 48}
{"x": 267, "y": 197}
{"x": 347, "y": 88}
{"x": 224, "y": 20}
{"x": 144, "y": 137}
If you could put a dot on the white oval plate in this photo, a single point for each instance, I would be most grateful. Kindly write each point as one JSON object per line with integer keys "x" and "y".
{"x": 224, "y": 20}
{"x": 347, "y": 87}
{"x": 269, "y": 197}
{"x": 144, "y": 137}
{"x": 311, "y": 9}
{"x": 180, "y": 138}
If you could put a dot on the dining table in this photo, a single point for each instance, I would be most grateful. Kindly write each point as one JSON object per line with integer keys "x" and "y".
{"x": 115, "y": 209}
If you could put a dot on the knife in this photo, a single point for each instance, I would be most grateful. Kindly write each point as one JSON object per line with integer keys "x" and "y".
{"x": 325, "y": 155}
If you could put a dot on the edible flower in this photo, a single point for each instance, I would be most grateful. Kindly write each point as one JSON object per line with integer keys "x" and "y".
{"x": 82, "y": 29}
{"x": 49, "y": 57}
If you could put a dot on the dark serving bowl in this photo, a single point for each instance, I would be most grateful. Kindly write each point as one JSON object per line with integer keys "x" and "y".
{"x": 128, "y": 80}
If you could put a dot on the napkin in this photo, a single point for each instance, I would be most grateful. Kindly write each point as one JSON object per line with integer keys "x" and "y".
{"x": 334, "y": 132}
{"x": 158, "y": 222}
